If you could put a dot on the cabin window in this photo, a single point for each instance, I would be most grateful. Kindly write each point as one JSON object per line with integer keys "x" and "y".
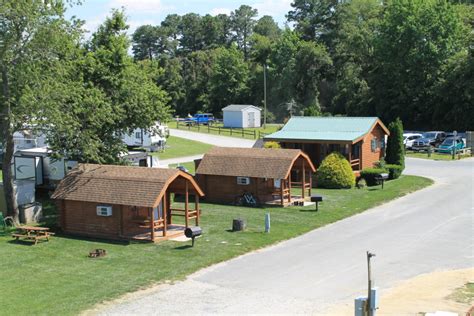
{"x": 382, "y": 143}
{"x": 373, "y": 144}
{"x": 104, "y": 210}
{"x": 138, "y": 135}
{"x": 277, "y": 183}
{"x": 243, "y": 180}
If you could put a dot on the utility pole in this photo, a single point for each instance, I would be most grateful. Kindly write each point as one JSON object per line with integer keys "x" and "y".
{"x": 455, "y": 133}
{"x": 265, "y": 95}
{"x": 370, "y": 312}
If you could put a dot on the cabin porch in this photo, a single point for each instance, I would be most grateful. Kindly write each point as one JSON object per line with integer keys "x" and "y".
{"x": 160, "y": 223}
{"x": 317, "y": 151}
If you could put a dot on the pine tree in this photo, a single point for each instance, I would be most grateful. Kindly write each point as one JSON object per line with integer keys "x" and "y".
{"x": 395, "y": 149}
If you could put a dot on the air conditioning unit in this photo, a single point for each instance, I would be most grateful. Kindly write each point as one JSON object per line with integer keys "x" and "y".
{"x": 104, "y": 210}
{"x": 243, "y": 180}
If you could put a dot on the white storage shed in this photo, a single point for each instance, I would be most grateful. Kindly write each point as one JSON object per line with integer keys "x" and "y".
{"x": 242, "y": 116}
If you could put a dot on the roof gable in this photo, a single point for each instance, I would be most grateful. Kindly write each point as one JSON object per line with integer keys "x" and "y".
{"x": 327, "y": 128}
{"x": 239, "y": 107}
{"x": 250, "y": 162}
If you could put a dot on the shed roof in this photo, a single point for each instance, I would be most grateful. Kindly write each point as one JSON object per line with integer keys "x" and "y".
{"x": 250, "y": 162}
{"x": 349, "y": 129}
{"x": 123, "y": 185}
{"x": 239, "y": 107}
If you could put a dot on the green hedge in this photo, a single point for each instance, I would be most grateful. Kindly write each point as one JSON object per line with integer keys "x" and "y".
{"x": 335, "y": 172}
{"x": 369, "y": 174}
{"x": 394, "y": 171}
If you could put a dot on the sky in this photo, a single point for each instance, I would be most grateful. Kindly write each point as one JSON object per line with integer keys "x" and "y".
{"x": 140, "y": 12}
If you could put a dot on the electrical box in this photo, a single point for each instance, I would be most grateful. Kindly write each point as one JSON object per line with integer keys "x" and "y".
{"x": 359, "y": 306}
{"x": 104, "y": 210}
{"x": 374, "y": 298}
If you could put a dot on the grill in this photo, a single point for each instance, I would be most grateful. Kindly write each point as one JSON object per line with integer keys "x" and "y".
{"x": 193, "y": 232}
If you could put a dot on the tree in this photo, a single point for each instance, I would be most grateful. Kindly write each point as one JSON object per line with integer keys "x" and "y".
{"x": 192, "y": 36}
{"x": 36, "y": 45}
{"x": 243, "y": 22}
{"x": 112, "y": 96}
{"x": 145, "y": 41}
{"x": 172, "y": 81}
{"x": 314, "y": 19}
{"x": 395, "y": 154}
{"x": 266, "y": 26}
{"x": 356, "y": 28}
{"x": 415, "y": 39}
{"x": 228, "y": 82}
{"x": 312, "y": 63}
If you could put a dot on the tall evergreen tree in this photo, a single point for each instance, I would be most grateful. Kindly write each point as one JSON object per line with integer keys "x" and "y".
{"x": 395, "y": 153}
{"x": 243, "y": 22}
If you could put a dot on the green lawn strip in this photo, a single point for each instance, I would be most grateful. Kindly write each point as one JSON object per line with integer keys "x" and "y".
{"x": 187, "y": 165}
{"x": 464, "y": 294}
{"x": 180, "y": 147}
{"x": 434, "y": 156}
{"x": 58, "y": 278}
{"x": 271, "y": 128}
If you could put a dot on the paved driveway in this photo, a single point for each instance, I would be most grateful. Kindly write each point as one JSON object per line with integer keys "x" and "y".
{"x": 429, "y": 230}
{"x": 216, "y": 140}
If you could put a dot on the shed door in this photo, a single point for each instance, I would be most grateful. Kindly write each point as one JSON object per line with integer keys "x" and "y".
{"x": 251, "y": 120}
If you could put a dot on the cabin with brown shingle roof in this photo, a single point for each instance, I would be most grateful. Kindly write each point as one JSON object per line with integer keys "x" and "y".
{"x": 268, "y": 175}
{"x": 122, "y": 202}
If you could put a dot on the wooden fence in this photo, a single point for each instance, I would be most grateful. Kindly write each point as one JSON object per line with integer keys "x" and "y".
{"x": 227, "y": 131}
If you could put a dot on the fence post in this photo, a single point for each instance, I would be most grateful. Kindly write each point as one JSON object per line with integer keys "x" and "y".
{"x": 208, "y": 128}
{"x": 231, "y": 131}
{"x": 254, "y": 134}
{"x": 243, "y": 133}
{"x": 177, "y": 124}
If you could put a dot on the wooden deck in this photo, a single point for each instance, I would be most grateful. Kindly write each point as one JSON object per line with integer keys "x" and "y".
{"x": 172, "y": 231}
{"x": 295, "y": 200}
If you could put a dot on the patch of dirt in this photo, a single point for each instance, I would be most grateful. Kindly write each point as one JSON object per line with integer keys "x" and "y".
{"x": 424, "y": 293}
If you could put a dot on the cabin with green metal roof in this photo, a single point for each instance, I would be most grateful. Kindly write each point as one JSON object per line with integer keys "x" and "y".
{"x": 360, "y": 139}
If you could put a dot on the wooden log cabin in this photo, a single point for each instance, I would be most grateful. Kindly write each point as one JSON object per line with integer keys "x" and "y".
{"x": 360, "y": 139}
{"x": 268, "y": 175}
{"x": 126, "y": 203}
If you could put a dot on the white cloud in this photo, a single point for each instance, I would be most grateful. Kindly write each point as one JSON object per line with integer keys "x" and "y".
{"x": 139, "y": 6}
{"x": 217, "y": 11}
{"x": 275, "y": 8}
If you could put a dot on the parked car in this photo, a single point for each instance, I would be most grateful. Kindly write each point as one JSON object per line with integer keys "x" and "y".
{"x": 429, "y": 139}
{"x": 409, "y": 139}
{"x": 200, "y": 119}
{"x": 448, "y": 144}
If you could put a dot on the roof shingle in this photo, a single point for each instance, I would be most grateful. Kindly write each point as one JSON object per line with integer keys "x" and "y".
{"x": 250, "y": 162}
{"x": 123, "y": 185}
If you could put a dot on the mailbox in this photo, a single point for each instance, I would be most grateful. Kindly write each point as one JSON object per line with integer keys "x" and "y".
{"x": 193, "y": 232}
{"x": 316, "y": 199}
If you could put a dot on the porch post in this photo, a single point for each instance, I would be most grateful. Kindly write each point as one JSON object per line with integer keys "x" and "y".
{"x": 152, "y": 224}
{"x": 289, "y": 188}
{"x": 196, "y": 197}
{"x": 165, "y": 210}
{"x": 303, "y": 182}
{"x": 186, "y": 204}
{"x": 282, "y": 185}
{"x": 310, "y": 182}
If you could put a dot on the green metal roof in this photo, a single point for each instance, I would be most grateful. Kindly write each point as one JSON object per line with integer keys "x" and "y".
{"x": 324, "y": 128}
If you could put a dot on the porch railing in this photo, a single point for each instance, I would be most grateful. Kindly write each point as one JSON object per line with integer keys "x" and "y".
{"x": 355, "y": 164}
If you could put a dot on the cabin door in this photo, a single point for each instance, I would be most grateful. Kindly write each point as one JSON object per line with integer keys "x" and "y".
{"x": 251, "y": 122}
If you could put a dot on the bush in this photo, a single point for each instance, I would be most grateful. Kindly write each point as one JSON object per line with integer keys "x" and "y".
{"x": 369, "y": 174}
{"x": 395, "y": 154}
{"x": 394, "y": 171}
{"x": 335, "y": 172}
{"x": 273, "y": 145}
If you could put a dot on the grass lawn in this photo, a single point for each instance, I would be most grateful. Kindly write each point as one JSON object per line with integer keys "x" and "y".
{"x": 58, "y": 277}
{"x": 434, "y": 156}
{"x": 271, "y": 128}
{"x": 187, "y": 165}
{"x": 180, "y": 147}
{"x": 464, "y": 294}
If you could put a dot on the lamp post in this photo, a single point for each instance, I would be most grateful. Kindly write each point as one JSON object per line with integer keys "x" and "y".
{"x": 370, "y": 312}
{"x": 265, "y": 95}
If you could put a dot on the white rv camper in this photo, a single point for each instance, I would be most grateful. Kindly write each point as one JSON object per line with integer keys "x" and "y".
{"x": 153, "y": 139}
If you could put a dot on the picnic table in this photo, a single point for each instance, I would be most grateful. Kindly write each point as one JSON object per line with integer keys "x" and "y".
{"x": 32, "y": 233}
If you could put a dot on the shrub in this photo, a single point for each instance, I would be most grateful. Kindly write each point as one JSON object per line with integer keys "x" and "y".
{"x": 394, "y": 171}
{"x": 273, "y": 145}
{"x": 360, "y": 183}
{"x": 335, "y": 172}
{"x": 395, "y": 154}
{"x": 369, "y": 174}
